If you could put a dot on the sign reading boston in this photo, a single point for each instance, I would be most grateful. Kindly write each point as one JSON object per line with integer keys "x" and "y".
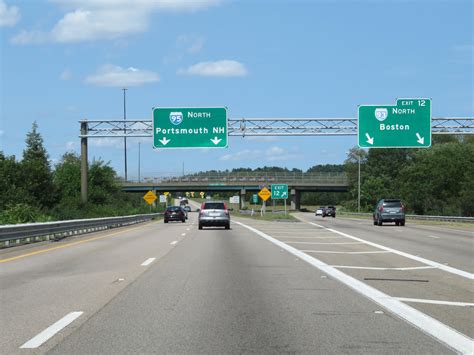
{"x": 190, "y": 127}
{"x": 404, "y": 125}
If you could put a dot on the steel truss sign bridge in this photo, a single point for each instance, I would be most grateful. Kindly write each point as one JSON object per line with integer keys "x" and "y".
{"x": 268, "y": 127}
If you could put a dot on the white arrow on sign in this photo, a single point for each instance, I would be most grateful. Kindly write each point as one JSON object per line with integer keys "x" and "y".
{"x": 164, "y": 141}
{"x": 420, "y": 140}
{"x": 216, "y": 140}
{"x": 283, "y": 194}
{"x": 369, "y": 140}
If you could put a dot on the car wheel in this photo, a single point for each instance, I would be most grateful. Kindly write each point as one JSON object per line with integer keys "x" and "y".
{"x": 200, "y": 226}
{"x": 375, "y": 222}
{"x": 333, "y": 216}
{"x": 397, "y": 223}
{"x": 227, "y": 226}
{"x": 402, "y": 223}
{"x": 166, "y": 221}
{"x": 379, "y": 222}
{"x": 183, "y": 220}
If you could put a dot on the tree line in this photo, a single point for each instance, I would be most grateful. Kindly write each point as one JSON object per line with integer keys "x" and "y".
{"x": 437, "y": 181}
{"x": 32, "y": 191}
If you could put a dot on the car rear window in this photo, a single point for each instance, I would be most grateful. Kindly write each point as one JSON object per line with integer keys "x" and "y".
{"x": 214, "y": 206}
{"x": 392, "y": 204}
{"x": 174, "y": 208}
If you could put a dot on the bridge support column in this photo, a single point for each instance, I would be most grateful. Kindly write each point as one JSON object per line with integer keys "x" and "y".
{"x": 295, "y": 199}
{"x": 242, "y": 198}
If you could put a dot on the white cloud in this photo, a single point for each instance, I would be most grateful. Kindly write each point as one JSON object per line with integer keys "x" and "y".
{"x": 66, "y": 75}
{"x": 245, "y": 154}
{"x": 90, "y": 20}
{"x": 71, "y": 145}
{"x": 106, "y": 142}
{"x": 1, "y": 132}
{"x": 220, "y": 68}
{"x": 192, "y": 44}
{"x": 111, "y": 75}
{"x": 9, "y": 15}
{"x": 29, "y": 37}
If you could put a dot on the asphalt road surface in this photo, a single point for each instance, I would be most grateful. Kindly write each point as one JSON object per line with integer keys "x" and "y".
{"x": 319, "y": 285}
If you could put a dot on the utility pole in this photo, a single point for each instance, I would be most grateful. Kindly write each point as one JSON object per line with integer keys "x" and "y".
{"x": 125, "y": 130}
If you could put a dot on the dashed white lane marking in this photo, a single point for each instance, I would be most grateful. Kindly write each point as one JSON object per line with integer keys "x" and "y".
{"x": 148, "y": 261}
{"x": 174, "y": 243}
{"x": 445, "y": 303}
{"x": 346, "y": 252}
{"x": 383, "y": 268}
{"x": 183, "y": 234}
{"x": 188, "y": 229}
{"x": 446, "y": 268}
{"x": 431, "y": 236}
{"x": 429, "y": 325}
{"x": 49, "y": 332}
{"x": 336, "y": 243}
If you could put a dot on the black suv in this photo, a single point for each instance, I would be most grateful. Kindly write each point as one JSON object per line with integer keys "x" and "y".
{"x": 389, "y": 210}
{"x": 329, "y": 211}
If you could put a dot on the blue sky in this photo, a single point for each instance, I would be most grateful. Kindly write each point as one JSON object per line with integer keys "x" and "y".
{"x": 65, "y": 60}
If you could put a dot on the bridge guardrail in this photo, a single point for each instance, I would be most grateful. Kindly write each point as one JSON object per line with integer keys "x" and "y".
{"x": 420, "y": 217}
{"x": 32, "y": 232}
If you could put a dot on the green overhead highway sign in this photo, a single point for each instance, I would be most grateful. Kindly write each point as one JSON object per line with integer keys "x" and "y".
{"x": 279, "y": 191}
{"x": 405, "y": 125}
{"x": 190, "y": 127}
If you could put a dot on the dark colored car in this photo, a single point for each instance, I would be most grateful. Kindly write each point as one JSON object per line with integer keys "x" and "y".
{"x": 329, "y": 211}
{"x": 214, "y": 213}
{"x": 389, "y": 210}
{"x": 175, "y": 213}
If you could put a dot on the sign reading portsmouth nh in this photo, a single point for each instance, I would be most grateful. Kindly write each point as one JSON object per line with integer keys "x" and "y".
{"x": 405, "y": 125}
{"x": 190, "y": 127}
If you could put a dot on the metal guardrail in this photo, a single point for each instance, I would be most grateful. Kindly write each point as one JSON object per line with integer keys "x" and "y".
{"x": 14, "y": 234}
{"x": 421, "y": 217}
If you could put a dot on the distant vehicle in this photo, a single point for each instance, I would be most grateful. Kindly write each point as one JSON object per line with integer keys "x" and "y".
{"x": 175, "y": 213}
{"x": 389, "y": 210}
{"x": 319, "y": 211}
{"x": 187, "y": 208}
{"x": 183, "y": 202}
{"x": 214, "y": 213}
{"x": 329, "y": 211}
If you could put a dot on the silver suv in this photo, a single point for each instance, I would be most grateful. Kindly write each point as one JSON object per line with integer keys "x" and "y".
{"x": 389, "y": 210}
{"x": 214, "y": 213}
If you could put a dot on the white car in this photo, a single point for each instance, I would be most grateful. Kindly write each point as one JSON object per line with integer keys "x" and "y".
{"x": 319, "y": 211}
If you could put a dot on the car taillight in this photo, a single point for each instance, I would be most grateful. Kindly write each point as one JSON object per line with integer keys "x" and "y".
{"x": 226, "y": 211}
{"x": 403, "y": 208}
{"x": 381, "y": 209}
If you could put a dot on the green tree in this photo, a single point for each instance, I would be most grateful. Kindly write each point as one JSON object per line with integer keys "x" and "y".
{"x": 37, "y": 177}
{"x": 11, "y": 188}
{"x": 67, "y": 177}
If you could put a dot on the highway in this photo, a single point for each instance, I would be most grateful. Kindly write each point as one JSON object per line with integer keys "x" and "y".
{"x": 332, "y": 285}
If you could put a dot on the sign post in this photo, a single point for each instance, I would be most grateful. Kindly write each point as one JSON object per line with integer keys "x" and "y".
{"x": 190, "y": 127}
{"x": 280, "y": 192}
{"x": 264, "y": 195}
{"x": 405, "y": 125}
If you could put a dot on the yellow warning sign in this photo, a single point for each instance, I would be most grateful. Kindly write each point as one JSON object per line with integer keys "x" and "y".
{"x": 150, "y": 197}
{"x": 264, "y": 194}
{"x": 166, "y": 193}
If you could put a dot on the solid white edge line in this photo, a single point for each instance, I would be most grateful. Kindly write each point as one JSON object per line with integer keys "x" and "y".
{"x": 383, "y": 268}
{"x": 174, "y": 243}
{"x": 444, "y": 303}
{"x": 49, "y": 332}
{"x": 445, "y": 334}
{"x": 446, "y": 268}
{"x": 148, "y": 261}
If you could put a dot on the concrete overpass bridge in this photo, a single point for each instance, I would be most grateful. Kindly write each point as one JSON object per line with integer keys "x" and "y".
{"x": 242, "y": 183}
